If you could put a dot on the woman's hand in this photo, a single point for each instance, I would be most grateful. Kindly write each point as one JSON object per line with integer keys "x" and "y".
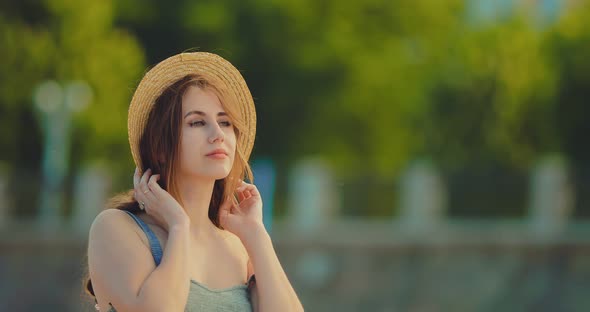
{"x": 246, "y": 217}
{"x": 156, "y": 201}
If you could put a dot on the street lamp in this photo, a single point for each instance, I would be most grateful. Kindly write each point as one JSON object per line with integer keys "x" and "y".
{"x": 56, "y": 106}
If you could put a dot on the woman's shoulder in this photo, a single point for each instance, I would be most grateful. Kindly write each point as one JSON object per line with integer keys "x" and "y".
{"x": 114, "y": 223}
{"x": 235, "y": 243}
{"x": 109, "y": 219}
{"x": 115, "y": 219}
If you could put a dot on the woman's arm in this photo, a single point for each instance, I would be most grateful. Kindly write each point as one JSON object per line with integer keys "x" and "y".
{"x": 273, "y": 291}
{"x": 122, "y": 268}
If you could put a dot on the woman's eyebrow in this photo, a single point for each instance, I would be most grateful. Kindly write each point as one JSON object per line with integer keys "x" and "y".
{"x": 196, "y": 112}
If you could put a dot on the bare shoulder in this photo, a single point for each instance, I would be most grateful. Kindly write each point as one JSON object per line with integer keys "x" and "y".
{"x": 118, "y": 259}
{"x": 111, "y": 224}
{"x": 236, "y": 244}
{"x": 107, "y": 219}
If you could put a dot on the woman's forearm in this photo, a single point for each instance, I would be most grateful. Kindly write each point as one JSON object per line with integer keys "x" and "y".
{"x": 275, "y": 292}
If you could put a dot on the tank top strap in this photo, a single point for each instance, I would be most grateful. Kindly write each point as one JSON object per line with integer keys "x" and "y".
{"x": 153, "y": 240}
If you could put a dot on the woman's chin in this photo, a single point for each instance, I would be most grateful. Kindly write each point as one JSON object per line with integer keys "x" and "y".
{"x": 219, "y": 175}
{"x": 209, "y": 175}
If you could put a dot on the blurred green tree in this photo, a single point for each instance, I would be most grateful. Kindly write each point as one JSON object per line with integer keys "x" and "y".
{"x": 68, "y": 40}
{"x": 369, "y": 85}
{"x": 63, "y": 40}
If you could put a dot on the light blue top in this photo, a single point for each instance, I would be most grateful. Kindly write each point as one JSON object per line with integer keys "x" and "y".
{"x": 200, "y": 297}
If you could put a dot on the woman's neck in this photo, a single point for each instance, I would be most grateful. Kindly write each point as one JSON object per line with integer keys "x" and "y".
{"x": 196, "y": 195}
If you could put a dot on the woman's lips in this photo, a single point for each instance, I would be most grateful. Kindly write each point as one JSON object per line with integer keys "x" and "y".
{"x": 217, "y": 156}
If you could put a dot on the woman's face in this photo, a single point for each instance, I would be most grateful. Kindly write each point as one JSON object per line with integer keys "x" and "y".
{"x": 207, "y": 140}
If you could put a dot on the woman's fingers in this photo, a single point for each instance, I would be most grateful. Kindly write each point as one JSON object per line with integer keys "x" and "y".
{"x": 246, "y": 190}
{"x": 243, "y": 194}
{"x": 142, "y": 191}
{"x": 153, "y": 185}
{"x": 136, "y": 177}
{"x": 144, "y": 178}
{"x": 136, "y": 181}
{"x": 149, "y": 194}
{"x": 249, "y": 190}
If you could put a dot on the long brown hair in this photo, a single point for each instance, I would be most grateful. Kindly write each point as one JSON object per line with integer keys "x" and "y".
{"x": 159, "y": 150}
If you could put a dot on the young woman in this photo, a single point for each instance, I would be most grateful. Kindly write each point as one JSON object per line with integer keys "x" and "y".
{"x": 189, "y": 236}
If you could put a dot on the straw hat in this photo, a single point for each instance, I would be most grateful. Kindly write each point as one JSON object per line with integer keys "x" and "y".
{"x": 215, "y": 69}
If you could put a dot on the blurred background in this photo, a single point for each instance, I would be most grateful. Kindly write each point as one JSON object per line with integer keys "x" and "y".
{"x": 413, "y": 155}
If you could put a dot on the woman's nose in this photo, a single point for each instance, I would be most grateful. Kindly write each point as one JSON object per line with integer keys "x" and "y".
{"x": 216, "y": 135}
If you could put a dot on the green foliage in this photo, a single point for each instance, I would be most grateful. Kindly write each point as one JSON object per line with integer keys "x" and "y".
{"x": 74, "y": 41}
{"x": 494, "y": 97}
{"x": 368, "y": 84}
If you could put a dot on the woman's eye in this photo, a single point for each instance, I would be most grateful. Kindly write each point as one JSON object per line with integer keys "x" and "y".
{"x": 196, "y": 123}
{"x": 225, "y": 123}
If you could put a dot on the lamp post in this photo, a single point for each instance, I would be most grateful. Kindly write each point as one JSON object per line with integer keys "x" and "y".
{"x": 56, "y": 104}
